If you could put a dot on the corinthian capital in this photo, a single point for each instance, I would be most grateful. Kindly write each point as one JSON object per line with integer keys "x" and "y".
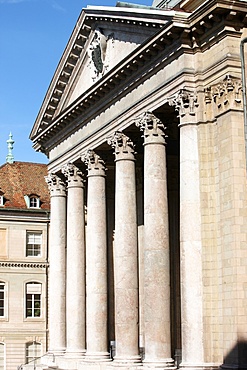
{"x": 55, "y": 185}
{"x": 73, "y": 174}
{"x": 228, "y": 91}
{"x": 153, "y": 128}
{"x": 95, "y": 164}
{"x": 184, "y": 101}
{"x": 124, "y": 147}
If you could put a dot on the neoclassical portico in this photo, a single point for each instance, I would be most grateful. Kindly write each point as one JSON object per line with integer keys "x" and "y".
{"x": 84, "y": 336}
{"x": 87, "y": 277}
{"x": 143, "y": 127}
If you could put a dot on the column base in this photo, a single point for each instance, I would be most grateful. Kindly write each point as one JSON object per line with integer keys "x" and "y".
{"x": 56, "y": 352}
{"x": 97, "y": 357}
{"x": 165, "y": 363}
{"x": 199, "y": 366}
{"x": 76, "y": 353}
{"x": 126, "y": 360}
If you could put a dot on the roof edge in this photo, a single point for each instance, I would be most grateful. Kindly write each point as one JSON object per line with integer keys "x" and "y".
{"x": 75, "y": 47}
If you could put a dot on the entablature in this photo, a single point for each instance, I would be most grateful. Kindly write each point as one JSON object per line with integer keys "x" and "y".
{"x": 215, "y": 19}
{"x": 175, "y": 33}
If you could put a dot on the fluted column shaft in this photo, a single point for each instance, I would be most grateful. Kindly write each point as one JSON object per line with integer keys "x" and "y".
{"x": 96, "y": 262}
{"x": 156, "y": 244}
{"x": 125, "y": 252}
{"x": 57, "y": 269}
{"x": 75, "y": 282}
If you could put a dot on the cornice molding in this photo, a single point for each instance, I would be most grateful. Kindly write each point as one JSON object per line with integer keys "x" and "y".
{"x": 24, "y": 265}
{"x": 191, "y": 5}
{"x": 195, "y": 32}
{"x": 216, "y": 17}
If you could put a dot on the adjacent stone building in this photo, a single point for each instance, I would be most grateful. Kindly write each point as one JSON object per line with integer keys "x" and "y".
{"x": 143, "y": 124}
{"x": 24, "y": 222}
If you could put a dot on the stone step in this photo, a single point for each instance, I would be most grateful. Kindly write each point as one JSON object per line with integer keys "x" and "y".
{"x": 40, "y": 367}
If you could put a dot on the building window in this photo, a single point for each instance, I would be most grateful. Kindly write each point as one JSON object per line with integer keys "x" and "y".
{"x": 33, "y": 244}
{"x": 33, "y": 300}
{"x": 32, "y": 201}
{"x": 2, "y": 299}
{"x": 2, "y": 356}
{"x": 33, "y": 353}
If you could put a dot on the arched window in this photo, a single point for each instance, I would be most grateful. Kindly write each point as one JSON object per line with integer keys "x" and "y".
{"x": 2, "y": 298}
{"x": 2, "y": 357}
{"x": 33, "y": 352}
{"x": 33, "y": 299}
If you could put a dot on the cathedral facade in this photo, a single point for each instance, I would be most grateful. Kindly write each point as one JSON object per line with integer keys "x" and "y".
{"x": 144, "y": 128}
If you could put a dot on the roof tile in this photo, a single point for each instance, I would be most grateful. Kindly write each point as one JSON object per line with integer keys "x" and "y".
{"x": 23, "y": 178}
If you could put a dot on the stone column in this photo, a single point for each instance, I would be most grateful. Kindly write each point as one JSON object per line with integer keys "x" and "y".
{"x": 125, "y": 252}
{"x": 190, "y": 234}
{"x": 75, "y": 282}
{"x": 191, "y": 249}
{"x": 96, "y": 262}
{"x": 156, "y": 245}
{"x": 57, "y": 261}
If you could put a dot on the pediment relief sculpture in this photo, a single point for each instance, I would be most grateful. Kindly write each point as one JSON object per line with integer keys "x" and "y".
{"x": 97, "y": 53}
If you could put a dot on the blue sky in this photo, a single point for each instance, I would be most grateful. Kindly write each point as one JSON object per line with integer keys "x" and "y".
{"x": 33, "y": 35}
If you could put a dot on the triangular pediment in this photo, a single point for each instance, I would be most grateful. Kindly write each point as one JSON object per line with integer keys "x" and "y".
{"x": 102, "y": 38}
{"x": 107, "y": 45}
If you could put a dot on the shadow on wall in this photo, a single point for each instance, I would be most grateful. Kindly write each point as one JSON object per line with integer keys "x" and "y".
{"x": 237, "y": 357}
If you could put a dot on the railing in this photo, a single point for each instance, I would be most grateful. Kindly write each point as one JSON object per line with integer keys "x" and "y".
{"x": 20, "y": 367}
